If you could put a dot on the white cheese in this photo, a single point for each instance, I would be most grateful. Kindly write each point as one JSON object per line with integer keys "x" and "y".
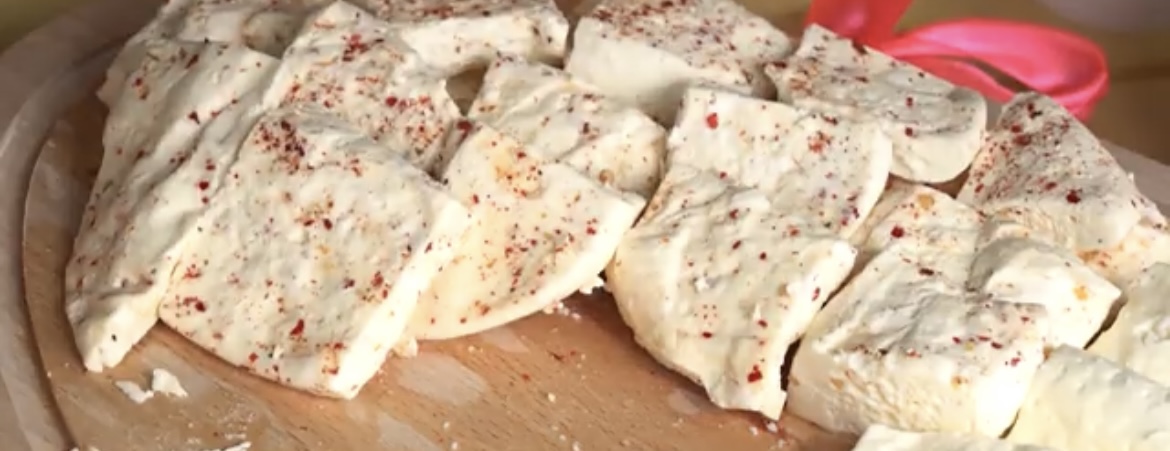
{"x": 134, "y": 391}
{"x": 162, "y": 381}
{"x": 936, "y": 127}
{"x": 565, "y": 119}
{"x": 540, "y": 231}
{"x": 883, "y": 438}
{"x": 312, "y": 255}
{"x": 904, "y": 346}
{"x": 1146, "y": 245}
{"x": 1042, "y": 168}
{"x": 454, "y": 36}
{"x": 352, "y": 64}
{"x": 1140, "y": 337}
{"x": 828, "y": 172}
{"x": 662, "y": 47}
{"x": 1030, "y": 271}
{"x": 1081, "y": 402}
{"x": 169, "y": 130}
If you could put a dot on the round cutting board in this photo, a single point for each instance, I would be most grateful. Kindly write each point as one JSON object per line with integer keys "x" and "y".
{"x": 571, "y": 380}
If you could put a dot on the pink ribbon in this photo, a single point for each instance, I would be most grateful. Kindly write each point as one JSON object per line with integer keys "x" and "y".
{"x": 1063, "y": 66}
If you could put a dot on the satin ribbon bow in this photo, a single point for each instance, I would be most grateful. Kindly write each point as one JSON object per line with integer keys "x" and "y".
{"x": 1063, "y": 66}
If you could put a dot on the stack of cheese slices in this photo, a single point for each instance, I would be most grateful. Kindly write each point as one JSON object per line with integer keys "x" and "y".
{"x": 289, "y": 185}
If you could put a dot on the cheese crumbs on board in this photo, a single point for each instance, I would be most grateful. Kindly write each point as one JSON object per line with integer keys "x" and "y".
{"x": 313, "y": 254}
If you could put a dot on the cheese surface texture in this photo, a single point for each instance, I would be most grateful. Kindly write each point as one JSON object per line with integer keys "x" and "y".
{"x": 936, "y": 127}
{"x": 744, "y": 240}
{"x": 663, "y": 47}
{"x": 540, "y": 231}
{"x": 939, "y": 233}
{"x": 565, "y": 119}
{"x": 315, "y": 248}
{"x": 159, "y": 140}
{"x": 884, "y": 438}
{"x": 1082, "y": 402}
{"x": 1140, "y": 336}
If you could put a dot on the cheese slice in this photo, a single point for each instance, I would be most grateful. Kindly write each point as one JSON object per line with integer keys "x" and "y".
{"x": 169, "y": 129}
{"x": 1140, "y": 337}
{"x": 903, "y": 346}
{"x": 936, "y": 127}
{"x": 664, "y": 47}
{"x": 566, "y": 119}
{"x": 312, "y": 254}
{"x": 540, "y": 231}
{"x": 828, "y": 171}
{"x": 1043, "y": 169}
{"x": 455, "y": 36}
{"x": 884, "y": 438}
{"x": 1082, "y": 402}
{"x": 352, "y": 64}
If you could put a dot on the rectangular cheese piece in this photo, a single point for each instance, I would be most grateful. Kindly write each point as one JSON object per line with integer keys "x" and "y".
{"x": 312, "y": 254}
{"x": 841, "y": 166}
{"x": 540, "y": 231}
{"x": 566, "y": 119}
{"x": 902, "y": 346}
{"x": 352, "y": 64}
{"x": 1082, "y": 402}
{"x": 884, "y": 438}
{"x": 1042, "y": 168}
{"x": 171, "y": 127}
{"x": 455, "y": 36}
{"x": 1140, "y": 336}
{"x": 663, "y": 47}
{"x": 936, "y": 127}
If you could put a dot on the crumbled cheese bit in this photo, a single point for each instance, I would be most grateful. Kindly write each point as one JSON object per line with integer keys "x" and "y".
{"x": 576, "y": 446}
{"x": 162, "y": 381}
{"x": 406, "y": 348}
{"x": 134, "y": 392}
{"x": 552, "y": 397}
{"x": 754, "y": 430}
{"x": 242, "y": 446}
{"x": 772, "y": 427}
{"x": 446, "y": 425}
{"x": 454, "y": 446}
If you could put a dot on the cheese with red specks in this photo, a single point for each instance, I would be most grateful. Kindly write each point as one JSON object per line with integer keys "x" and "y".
{"x": 167, "y": 130}
{"x": 540, "y": 231}
{"x": 1146, "y": 245}
{"x": 828, "y": 171}
{"x": 1027, "y": 270}
{"x": 1140, "y": 336}
{"x": 904, "y": 346}
{"x": 1042, "y": 168}
{"x": 1082, "y": 402}
{"x": 884, "y": 438}
{"x": 315, "y": 248}
{"x": 662, "y": 47}
{"x": 350, "y": 63}
{"x": 566, "y": 119}
{"x": 936, "y": 127}
{"x": 458, "y": 35}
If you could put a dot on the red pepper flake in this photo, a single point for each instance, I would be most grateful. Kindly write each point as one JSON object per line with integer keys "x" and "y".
{"x": 926, "y": 271}
{"x": 957, "y": 340}
{"x": 203, "y": 184}
{"x": 193, "y": 116}
{"x": 858, "y": 47}
{"x": 983, "y": 338}
{"x": 328, "y": 224}
{"x": 909, "y": 131}
{"x": 298, "y": 329}
{"x": 736, "y": 244}
{"x": 378, "y": 280}
{"x": 712, "y": 121}
{"x": 897, "y": 232}
{"x": 1049, "y": 186}
{"x": 1016, "y": 128}
{"x": 909, "y": 101}
{"x": 1014, "y": 361}
{"x": 707, "y": 335}
{"x": 590, "y": 231}
{"x": 1022, "y": 140}
{"x": 755, "y": 375}
{"x": 762, "y": 323}
{"x": 348, "y": 283}
{"x": 734, "y": 214}
{"x": 475, "y": 198}
{"x": 997, "y": 345}
{"x": 525, "y": 377}
{"x": 1073, "y": 197}
{"x": 763, "y": 255}
{"x": 192, "y": 272}
{"x": 252, "y": 358}
{"x": 722, "y": 175}
{"x": 816, "y": 293}
{"x": 393, "y": 101}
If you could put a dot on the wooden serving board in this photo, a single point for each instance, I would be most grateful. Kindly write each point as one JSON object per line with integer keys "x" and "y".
{"x": 546, "y": 382}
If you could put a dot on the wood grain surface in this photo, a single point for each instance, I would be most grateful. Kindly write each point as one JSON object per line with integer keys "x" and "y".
{"x": 546, "y": 382}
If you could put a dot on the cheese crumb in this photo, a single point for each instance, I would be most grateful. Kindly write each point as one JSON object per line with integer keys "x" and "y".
{"x": 552, "y": 397}
{"x": 446, "y": 425}
{"x": 242, "y": 446}
{"x": 627, "y": 442}
{"x": 576, "y": 446}
{"x": 754, "y": 430}
{"x": 162, "y": 381}
{"x": 701, "y": 284}
{"x": 406, "y": 348}
{"x": 772, "y": 427}
{"x": 134, "y": 392}
{"x": 454, "y": 445}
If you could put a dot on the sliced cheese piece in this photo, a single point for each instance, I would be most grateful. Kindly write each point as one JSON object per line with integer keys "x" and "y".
{"x": 1140, "y": 337}
{"x": 901, "y": 345}
{"x": 455, "y": 36}
{"x": 171, "y": 131}
{"x": 540, "y": 231}
{"x": 936, "y": 127}
{"x": 1042, "y": 168}
{"x": 162, "y": 381}
{"x": 312, "y": 255}
{"x": 665, "y": 46}
{"x": 1030, "y": 271}
{"x": 1082, "y": 402}
{"x": 940, "y": 232}
{"x": 827, "y": 171}
{"x": 352, "y": 64}
{"x": 884, "y": 438}
{"x": 1146, "y": 245}
{"x": 717, "y": 284}
{"x": 566, "y": 119}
